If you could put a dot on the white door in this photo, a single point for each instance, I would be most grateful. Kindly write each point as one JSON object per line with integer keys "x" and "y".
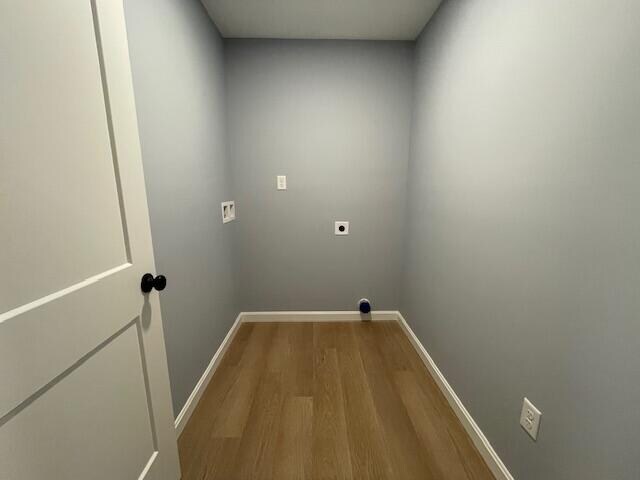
{"x": 84, "y": 388}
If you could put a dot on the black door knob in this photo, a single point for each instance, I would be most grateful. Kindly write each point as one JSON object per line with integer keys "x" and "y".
{"x": 148, "y": 282}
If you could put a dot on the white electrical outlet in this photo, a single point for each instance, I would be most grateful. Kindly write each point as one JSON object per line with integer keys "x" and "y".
{"x": 281, "y": 182}
{"x": 530, "y": 418}
{"x": 341, "y": 228}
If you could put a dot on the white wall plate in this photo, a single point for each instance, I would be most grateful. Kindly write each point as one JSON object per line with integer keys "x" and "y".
{"x": 530, "y": 418}
{"x": 341, "y": 228}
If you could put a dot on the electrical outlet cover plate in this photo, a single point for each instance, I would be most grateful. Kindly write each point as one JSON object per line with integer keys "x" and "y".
{"x": 530, "y": 418}
{"x": 341, "y": 228}
{"x": 281, "y": 182}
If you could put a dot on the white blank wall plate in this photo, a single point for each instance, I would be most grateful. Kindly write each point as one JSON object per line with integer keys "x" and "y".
{"x": 281, "y": 182}
{"x": 341, "y": 228}
{"x": 530, "y": 418}
{"x": 228, "y": 211}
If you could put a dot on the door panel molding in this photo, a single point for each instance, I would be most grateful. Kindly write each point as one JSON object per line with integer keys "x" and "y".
{"x": 109, "y": 119}
{"x": 59, "y": 378}
{"x": 60, "y": 293}
{"x": 28, "y": 354}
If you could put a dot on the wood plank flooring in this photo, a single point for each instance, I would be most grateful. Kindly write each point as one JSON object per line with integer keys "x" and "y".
{"x": 325, "y": 401}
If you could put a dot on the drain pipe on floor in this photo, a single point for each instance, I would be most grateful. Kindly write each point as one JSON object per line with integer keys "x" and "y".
{"x": 364, "y": 306}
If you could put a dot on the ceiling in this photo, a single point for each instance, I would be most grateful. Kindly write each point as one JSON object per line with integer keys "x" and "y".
{"x": 321, "y": 19}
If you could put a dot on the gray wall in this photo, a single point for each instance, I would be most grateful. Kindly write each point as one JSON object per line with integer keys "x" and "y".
{"x": 523, "y": 258}
{"x": 177, "y": 61}
{"x": 334, "y": 117}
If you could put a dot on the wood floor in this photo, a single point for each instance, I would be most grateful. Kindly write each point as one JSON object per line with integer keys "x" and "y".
{"x": 325, "y": 401}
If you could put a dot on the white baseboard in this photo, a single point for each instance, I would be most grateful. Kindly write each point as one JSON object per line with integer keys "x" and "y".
{"x": 327, "y": 316}
{"x": 201, "y": 386}
{"x": 489, "y": 455}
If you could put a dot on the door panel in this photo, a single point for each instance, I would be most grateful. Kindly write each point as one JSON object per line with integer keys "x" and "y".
{"x": 62, "y": 165}
{"x": 35, "y": 346}
{"x": 101, "y": 401}
{"x": 85, "y": 388}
